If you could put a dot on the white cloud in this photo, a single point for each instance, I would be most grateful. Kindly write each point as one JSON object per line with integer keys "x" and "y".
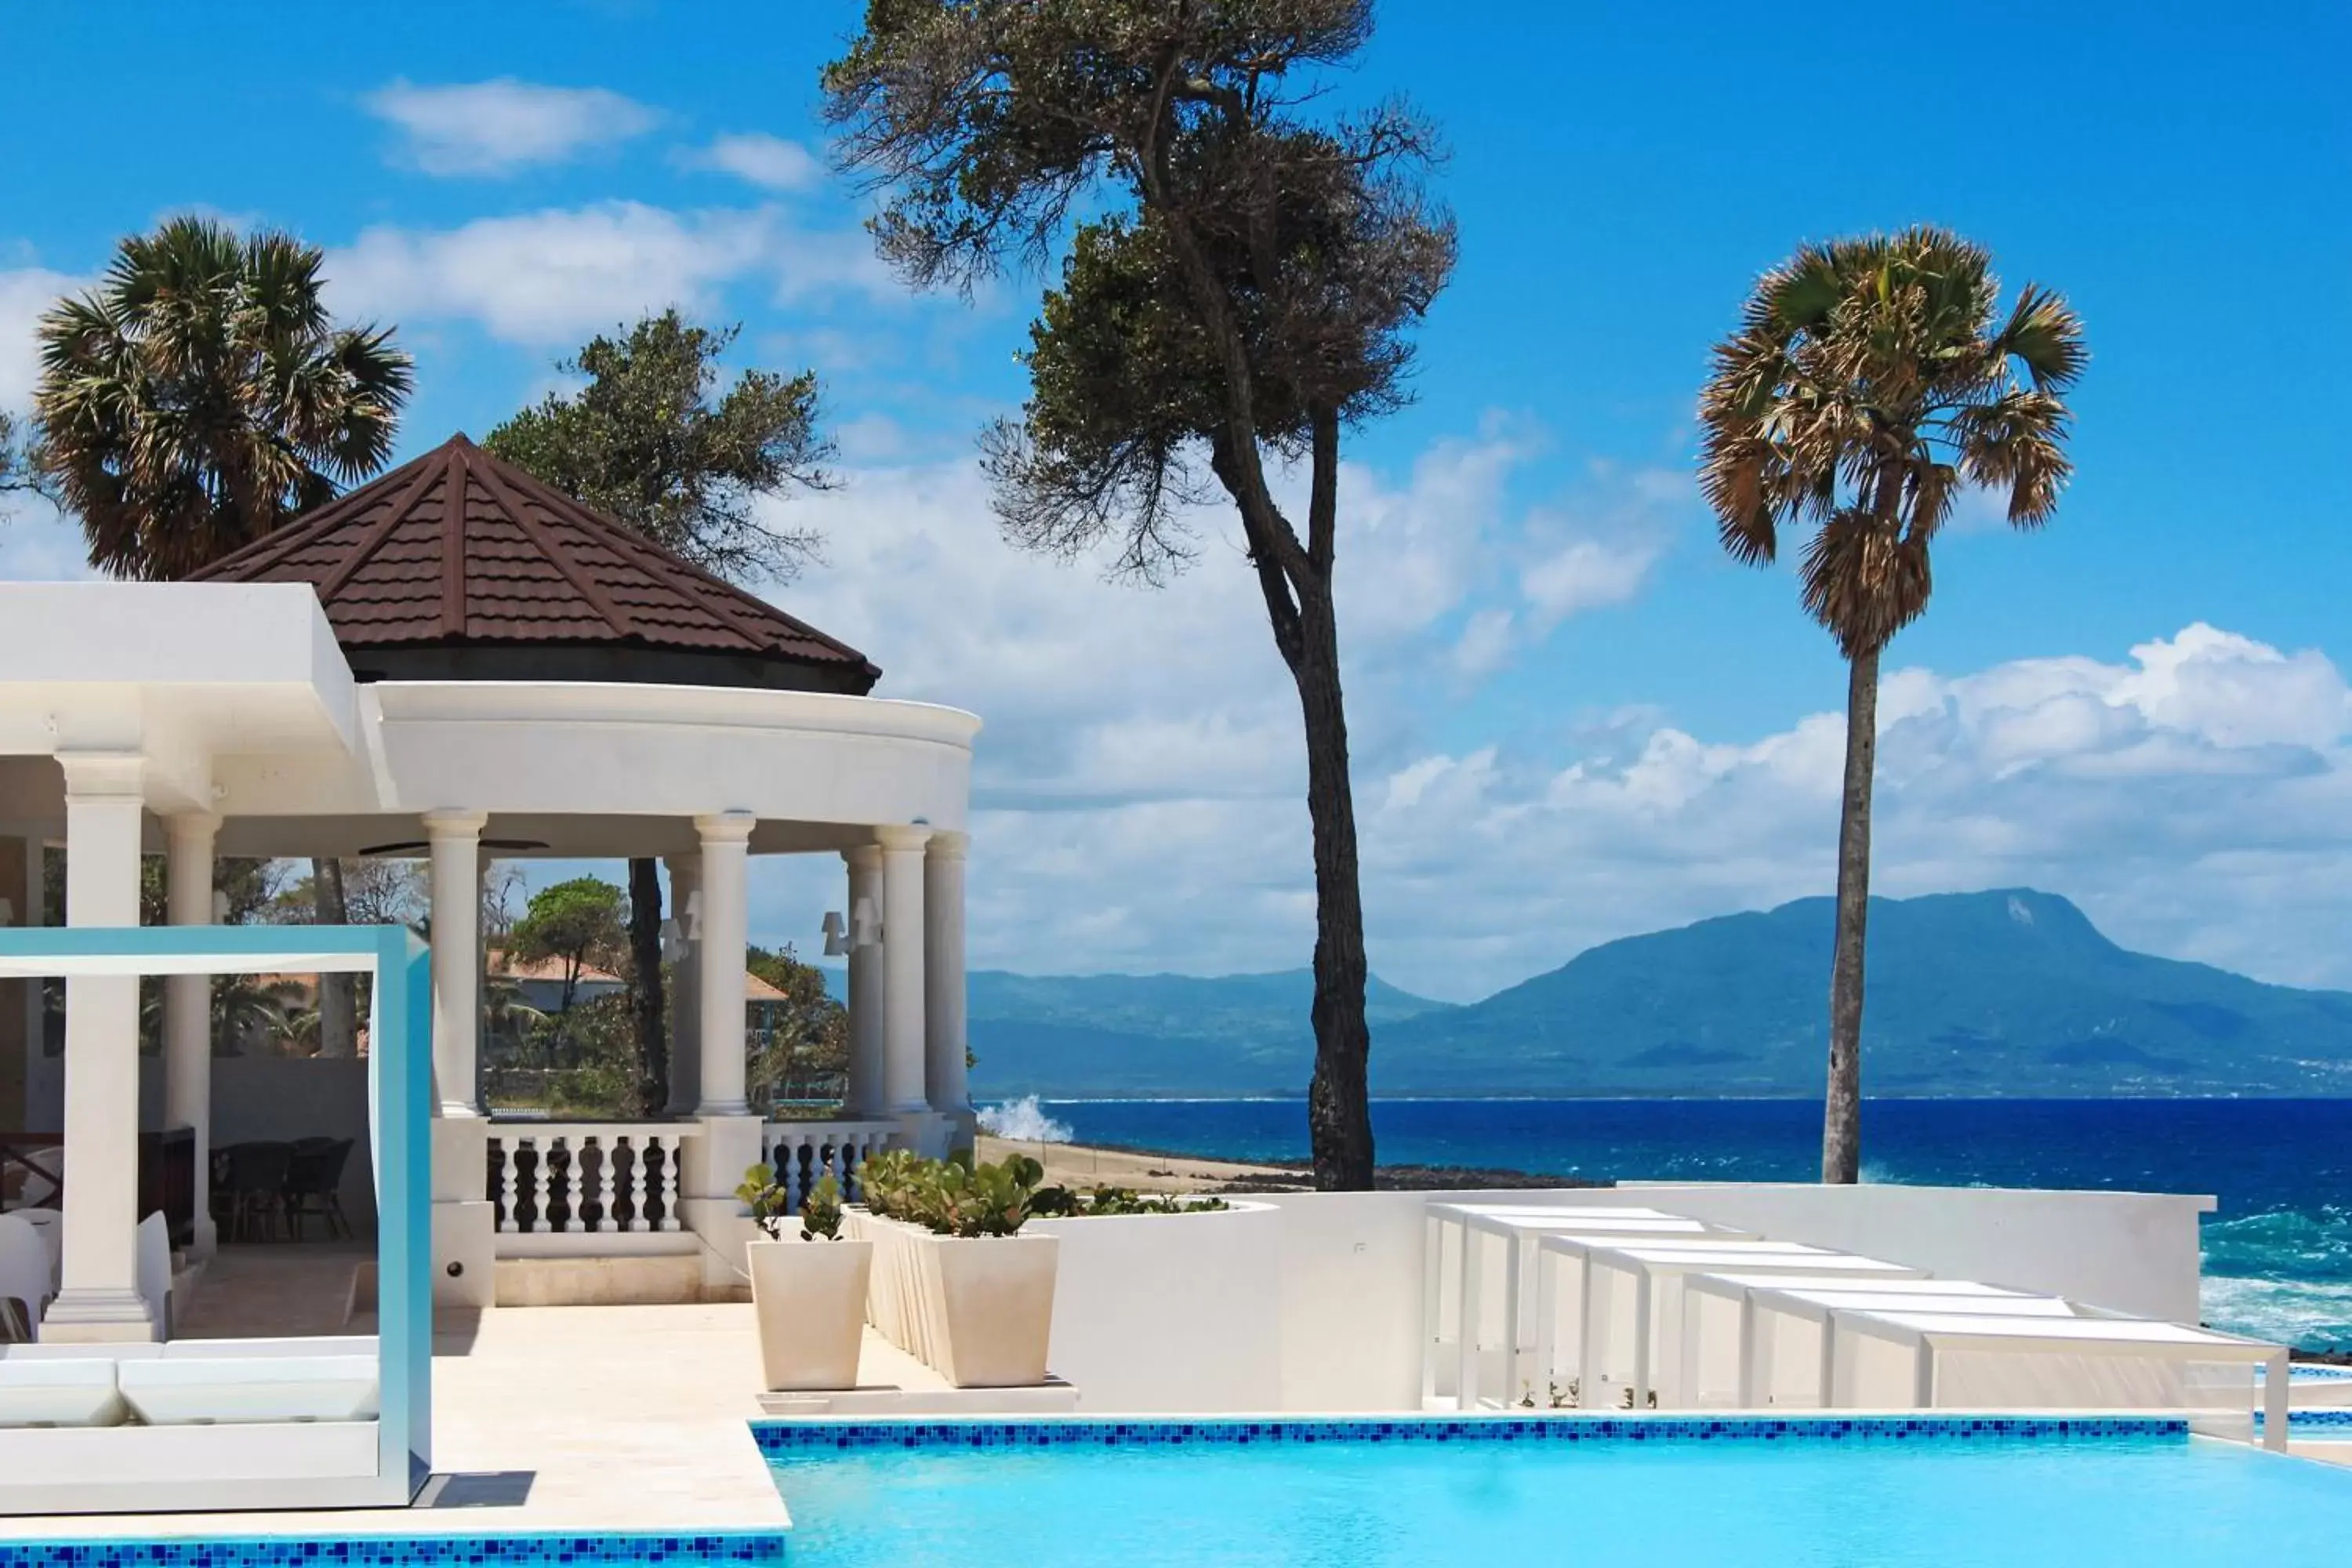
{"x": 1140, "y": 791}
{"x": 553, "y": 276}
{"x": 25, "y": 293}
{"x": 1140, "y": 781}
{"x": 502, "y": 126}
{"x": 769, "y": 162}
{"x": 1585, "y": 575}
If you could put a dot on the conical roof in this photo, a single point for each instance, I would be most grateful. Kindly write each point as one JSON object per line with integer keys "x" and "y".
{"x": 460, "y": 566}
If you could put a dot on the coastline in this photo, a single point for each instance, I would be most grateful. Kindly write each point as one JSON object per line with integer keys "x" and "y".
{"x": 1160, "y": 1171}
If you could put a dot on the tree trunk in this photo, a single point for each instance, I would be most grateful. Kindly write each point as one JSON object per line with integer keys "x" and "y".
{"x": 1339, "y": 1116}
{"x": 1842, "y": 1114}
{"x": 339, "y": 1023}
{"x": 647, "y": 1005}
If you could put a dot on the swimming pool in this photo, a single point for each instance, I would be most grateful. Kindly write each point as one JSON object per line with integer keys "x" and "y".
{"x": 1921, "y": 1492}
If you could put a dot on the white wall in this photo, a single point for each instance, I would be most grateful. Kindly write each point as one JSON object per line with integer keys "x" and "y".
{"x": 1170, "y": 1312}
{"x": 1351, "y": 1262}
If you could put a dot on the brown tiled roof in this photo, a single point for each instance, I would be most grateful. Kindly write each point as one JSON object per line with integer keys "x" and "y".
{"x": 458, "y": 551}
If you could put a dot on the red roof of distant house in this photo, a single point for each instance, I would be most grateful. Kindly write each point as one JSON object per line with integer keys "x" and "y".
{"x": 458, "y": 565}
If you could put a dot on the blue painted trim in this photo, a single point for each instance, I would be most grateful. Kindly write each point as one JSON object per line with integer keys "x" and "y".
{"x": 400, "y": 1084}
{"x": 620, "y": 1549}
{"x": 787, "y": 1437}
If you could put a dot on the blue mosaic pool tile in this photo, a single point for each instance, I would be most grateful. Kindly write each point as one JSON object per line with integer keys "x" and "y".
{"x": 718, "y": 1548}
{"x": 788, "y": 1436}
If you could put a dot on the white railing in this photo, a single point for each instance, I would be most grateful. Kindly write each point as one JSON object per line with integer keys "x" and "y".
{"x": 586, "y": 1178}
{"x": 803, "y": 1152}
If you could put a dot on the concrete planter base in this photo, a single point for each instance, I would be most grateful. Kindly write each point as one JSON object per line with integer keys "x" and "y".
{"x": 978, "y": 1309}
{"x": 810, "y": 1299}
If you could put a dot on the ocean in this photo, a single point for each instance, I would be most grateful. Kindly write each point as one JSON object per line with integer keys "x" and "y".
{"x": 2278, "y": 1254}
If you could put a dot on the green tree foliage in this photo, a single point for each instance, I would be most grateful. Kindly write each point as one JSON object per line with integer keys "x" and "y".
{"x": 802, "y": 1042}
{"x": 577, "y": 925}
{"x": 647, "y": 443}
{"x": 651, "y": 442}
{"x": 201, "y": 395}
{"x": 1871, "y": 381}
{"x": 1245, "y": 268}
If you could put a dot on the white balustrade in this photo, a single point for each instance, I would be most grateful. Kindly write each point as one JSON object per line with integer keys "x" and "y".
{"x": 541, "y": 1180}
{"x": 803, "y": 1154}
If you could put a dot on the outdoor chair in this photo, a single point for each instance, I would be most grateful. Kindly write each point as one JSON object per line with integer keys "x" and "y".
{"x": 25, "y": 1280}
{"x": 154, "y": 1253}
{"x": 314, "y": 1179}
{"x": 254, "y": 1179}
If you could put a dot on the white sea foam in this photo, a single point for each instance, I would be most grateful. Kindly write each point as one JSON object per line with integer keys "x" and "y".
{"x": 1024, "y": 1120}
{"x": 2314, "y": 1314}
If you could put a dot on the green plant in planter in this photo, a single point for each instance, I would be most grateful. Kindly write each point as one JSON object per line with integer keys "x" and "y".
{"x": 890, "y": 1181}
{"x": 821, "y": 1211}
{"x": 766, "y": 1199}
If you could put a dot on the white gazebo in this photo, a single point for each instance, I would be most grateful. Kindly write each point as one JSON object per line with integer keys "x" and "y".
{"x": 451, "y": 661}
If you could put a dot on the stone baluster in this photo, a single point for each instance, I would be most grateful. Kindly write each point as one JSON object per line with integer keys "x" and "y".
{"x": 510, "y": 1209}
{"x": 575, "y": 1161}
{"x": 608, "y": 1153}
{"x": 640, "y": 1186}
{"x": 669, "y": 1145}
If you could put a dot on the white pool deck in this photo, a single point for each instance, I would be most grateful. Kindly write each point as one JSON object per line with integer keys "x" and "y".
{"x": 560, "y": 1418}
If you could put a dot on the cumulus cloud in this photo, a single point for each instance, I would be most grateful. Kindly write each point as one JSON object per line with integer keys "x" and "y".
{"x": 491, "y": 128}
{"x": 550, "y": 277}
{"x": 1139, "y": 795}
{"x": 769, "y": 162}
{"x": 25, "y": 293}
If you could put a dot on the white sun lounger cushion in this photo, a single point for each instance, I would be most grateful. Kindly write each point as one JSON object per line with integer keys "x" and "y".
{"x": 261, "y": 1388}
{"x": 65, "y": 1392}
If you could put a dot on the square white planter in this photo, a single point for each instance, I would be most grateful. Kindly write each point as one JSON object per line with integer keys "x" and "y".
{"x": 978, "y": 1309}
{"x": 810, "y": 1299}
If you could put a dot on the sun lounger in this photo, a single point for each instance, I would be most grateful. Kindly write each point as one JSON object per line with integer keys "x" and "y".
{"x": 58, "y": 1391}
{"x": 1754, "y": 1341}
{"x": 177, "y": 1391}
{"x": 1517, "y": 1226}
{"x": 1961, "y": 1362}
{"x": 1653, "y": 1274}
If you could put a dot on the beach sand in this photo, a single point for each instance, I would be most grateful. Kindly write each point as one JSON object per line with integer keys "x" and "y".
{"x": 1081, "y": 1165}
{"x": 1086, "y": 1165}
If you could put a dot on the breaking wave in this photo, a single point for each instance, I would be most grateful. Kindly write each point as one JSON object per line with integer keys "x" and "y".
{"x": 1024, "y": 1120}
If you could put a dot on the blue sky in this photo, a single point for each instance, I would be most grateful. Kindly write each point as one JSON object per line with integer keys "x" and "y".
{"x": 1574, "y": 718}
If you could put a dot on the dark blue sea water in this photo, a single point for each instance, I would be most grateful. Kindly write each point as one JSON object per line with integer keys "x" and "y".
{"x": 2278, "y": 1255}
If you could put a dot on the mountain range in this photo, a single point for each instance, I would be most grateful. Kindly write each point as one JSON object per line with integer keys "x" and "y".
{"x": 2008, "y": 992}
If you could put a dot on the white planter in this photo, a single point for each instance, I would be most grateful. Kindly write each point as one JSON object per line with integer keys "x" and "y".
{"x": 977, "y": 1309}
{"x": 810, "y": 1299}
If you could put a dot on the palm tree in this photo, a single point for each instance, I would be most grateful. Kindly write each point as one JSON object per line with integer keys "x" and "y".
{"x": 201, "y": 395}
{"x": 1871, "y": 382}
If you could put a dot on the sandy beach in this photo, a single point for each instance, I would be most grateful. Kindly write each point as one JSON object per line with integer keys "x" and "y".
{"x": 1080, "y": 1165}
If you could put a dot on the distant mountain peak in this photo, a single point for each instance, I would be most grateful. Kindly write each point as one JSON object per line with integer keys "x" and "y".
{"x": 2001, "y": 991}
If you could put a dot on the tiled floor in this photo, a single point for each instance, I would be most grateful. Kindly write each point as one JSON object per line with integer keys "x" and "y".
{"x": 554, "y": 1419}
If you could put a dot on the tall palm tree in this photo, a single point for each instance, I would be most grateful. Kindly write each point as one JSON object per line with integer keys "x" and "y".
{"x": 1869, "y": 382}
{"x": 201, "y": 395}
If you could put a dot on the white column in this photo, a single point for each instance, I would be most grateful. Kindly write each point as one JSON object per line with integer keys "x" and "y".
{"x": 99, "y": 1297}
{"x": 188, "y": 1005}
{"x": 685, "y": 989}
{"x": 726, "y": 932}
{"x": 902, "y": 967}
{"x": 943, "y": 983}
{"x": 867, "y": 1093}
{"x": 456, "y": 837}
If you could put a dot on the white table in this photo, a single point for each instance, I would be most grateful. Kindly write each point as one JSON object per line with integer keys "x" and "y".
{"x": 1657, "y": 1272}
{"x": 1517, "y": 1226}
{"x": 1928, "y": 1334}
{"x": 1761, "y": 1299}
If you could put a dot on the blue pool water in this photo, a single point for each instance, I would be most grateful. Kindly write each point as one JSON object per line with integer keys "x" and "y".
{"x": 2278, "y": 1255}
{"x": 2129, "y": 1501}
